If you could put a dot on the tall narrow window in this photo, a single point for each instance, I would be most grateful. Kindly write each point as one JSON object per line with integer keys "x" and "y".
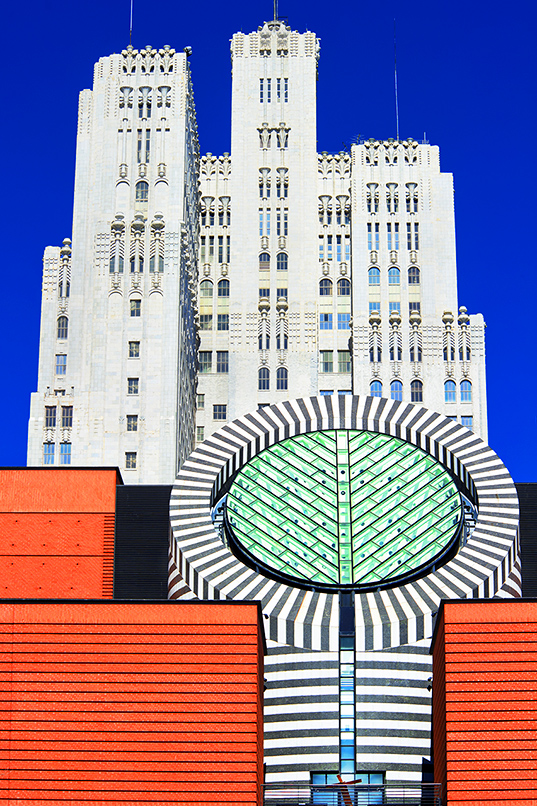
{"x": 375, "y": 389}
{"x": 396, "y": 237}
{"x": 343, "y": 321}
{"x": 263, "y": 379}
{"x": 67, "y": 416}
{"x": 134, "y": 349}
{"x": 136, "y": 307}
{"x": 281, "y": 261}
{"x": 278, "y": 222}
{"x": 147, "y": 144}
{"x": 223, "y": 288}
{"x": 222, "y": 361}
{"x": 222, "y": 322}
{"x": 63, "y": 327}
{"x": 338, "y": 248}
{"x": 200, "y": 401}
{"x": 50, "y": 416}
{"x": 220, "y": 248}
{"x": 466, "y": 392}
{"x": 389, "y": 231}
{"x": 396, "y": 390}
{"x": 65, "y": 453}
{"x": 278, "y": 89}
{"x": 285, "y": 90}
{"x": 347, "y": 248}
{"x": 211, "y": 248}
{"x": 132, "y": 422}
{"x": 200, "y": 433}
{"x": 450, "y": 392}
{"x": 206, "y": 289}
{"x": 325, "y": 287}
{"x": 370, "y": 237}
{"x": 394, "y": 276}
{"x": 261, "y": 87}
{"x": 205, "y": 361}
{"x": 344, "y": 361}
{"x": 261, "y": 222}
{"x": 343, "y": 287}
{"x": 269, "y": 90}
{"x": 325, "y": 321}
{"x": 327, "y": 361}
{"x": 48, "y": 453}
{"x": 264, "y": 261}
{"x": 61, "y": 365}
{"x": 133, "y": 386}
{"x": 267, "y": 224}
{"x": 416, "y": 392}
{"x": 329, "y": 245}
{"x": 139, "y": 143}
{"x": 377, "y": 236}
{"x": 228, "y": 248}
{"x": 130, "y": 460}
{"x": 285, "y": 222}
{"x": 416, "y": 237}
{"x": 321, "y": 247}
{"x": 409, "y": 237}
{"x": 281, "y": 378}
{"x": 374, "y": 276}
{"x": 413, "y": 275}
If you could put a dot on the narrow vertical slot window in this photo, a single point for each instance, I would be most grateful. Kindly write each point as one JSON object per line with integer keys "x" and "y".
{"x": 396, "y": 234}
{"x": 338, "y": 248}
{"x": 416, "y": 237}
{"x": 220, "y": 248}
{"x": 65, "y": 453}
{"x": 321, "y": 247}
{"x": 139, "y": 146}
{"x": 329, "y": 244}
{"x": 48, "y": 453}
{"x": 269, "y": 90}
{"x": 377, "y": 236}
{"x": 147, "y": 144}
{"x": 285, "y": 90}
{"x": 390, "y": 247}
{"x": 278, "y": 88}
{"x": 285, "y": 219}
{"x": 260, "y": 90}
{"x": 211, "y": 248}
{"x": 202, "y": 249}
{"x": 347, "y": 248}
{"x": 261, "y": 223}
{"x": 370, "y": 237}
{"x": 228, "y": 248}
{"x": 268, "y": 222}
{"x": 278, "y": 223}
{"x": 409, "y": 237}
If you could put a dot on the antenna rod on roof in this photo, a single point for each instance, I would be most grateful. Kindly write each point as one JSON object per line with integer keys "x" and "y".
{"x": 395, "y": 76}
{"x": 130, "y": 25}
{"x": 275, "y": 9}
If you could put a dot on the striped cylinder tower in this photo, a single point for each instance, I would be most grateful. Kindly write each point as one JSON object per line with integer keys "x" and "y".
{"x": 308, "y": 661}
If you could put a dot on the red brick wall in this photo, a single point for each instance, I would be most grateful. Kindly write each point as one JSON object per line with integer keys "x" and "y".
{"x": 485, "y": 721}
{"x": 57, "y": 532}
{"x": 116, "y": 703}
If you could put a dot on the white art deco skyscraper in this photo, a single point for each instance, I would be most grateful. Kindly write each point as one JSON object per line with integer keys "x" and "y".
{"x": 117, "y": 355}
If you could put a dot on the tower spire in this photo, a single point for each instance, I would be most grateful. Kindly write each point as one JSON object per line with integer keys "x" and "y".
{"x": 275, "y": 10}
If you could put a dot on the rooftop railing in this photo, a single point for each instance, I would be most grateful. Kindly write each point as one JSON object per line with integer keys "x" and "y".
{"x": 343, "y": 794}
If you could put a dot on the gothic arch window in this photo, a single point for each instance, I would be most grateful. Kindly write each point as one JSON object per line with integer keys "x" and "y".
{"x": 466, "y": 392}
{"x": 223, "y": 288}
{"x": 206, "y": 289}
{"x": 416, "y": 392}
{"x": 263, "y": 379}
{"x": 450, "y": 392}
{"x": 281, "y": 263}
{"x": 343, "y": 287}
{"x": 325, "y": 287}
{"x": 376, "y": 389}
{"x": 281, "y": 378}
{"x": 413, "y": 275}
{"x": 63, "y": 327}
{"x": 142, "y": 191}
{"x": 374, "y": 276}
{"x": 396, "y": 390}
{"x": 264, "y": 260}
{"x": 394, "y": 276}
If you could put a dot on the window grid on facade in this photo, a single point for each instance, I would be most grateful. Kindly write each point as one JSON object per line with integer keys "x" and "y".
{"x": 223, "y": 288}
{"x": 131, "y": 460}
{"x": 61, "y": 365}
{"x": 133, "y": 385}
{"x": 343, "y": 321}
{"x": 200, "y": 433}
{"x": 344, "y": 361}
{"x": 396, "y": 390}
{"x": 134, "y": 349}
{"x": 50, "y": 416}
{"x": 450, "y": 392}
{"x": 325, "y": 287}
{"x": 48, "y": 453}
{"x": 281, "y": 378}
{"x": 136, "y": 307}
{"x": 327, "y": 361}
{"x": 413, "y": 275}
{"x": 467, "y": 421}
{"x": 466, "y": 392}
{"x": 200, "y": 401}
{"x": 222, "y": 361}
{"x": 263, "y": 379}
{"x": 205, "y": 361}
{"x": 67, "y": 416}
{"x": 222, "y": 321}
{"x": 325, "y": 321}
{"x": 416, "y": 392}
{"x": 63, "y": 327}
{"x": 65, "y": 453}
{"x": 394, "y": 276}
{"x": 206, "y": 321}
{"x": 206, "y": 289}
{"x": 343, "y": 287}
{"x": 375, "y": 389}
{"x": 374, "y": 276}
{"x": 219, "y": 411}
{"x": 132, "y": 422}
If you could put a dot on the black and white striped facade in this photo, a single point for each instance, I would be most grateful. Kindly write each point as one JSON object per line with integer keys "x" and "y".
{"x": 393, "y": 626}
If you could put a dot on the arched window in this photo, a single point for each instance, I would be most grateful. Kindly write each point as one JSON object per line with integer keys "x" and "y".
{"x": 416, "y": 392}
{"x": 394, "y": 276}
{"x": 396, "y": 390}
{"x": 413, "y": 275}
{"x": 63, "y": 327}
{"x": 374, "y": 276}
{"x": 376, "y": 389}
{"x": 263, "y": 379}
{"x": 281, "y": 378}
{"x": 223, "y": 288}
{"x": 325, "y": 287}
{"x": 264, "y": 260}
{"x": 343, "y": 287}
{"x": 142, "y": 192}
{"x": 206, "y": 288}
{"x": 450, "y": 392}
{"x": 281, "y": 262}
{"x": 466, "y": 392}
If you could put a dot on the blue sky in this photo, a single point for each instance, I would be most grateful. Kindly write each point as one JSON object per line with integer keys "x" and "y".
{"x": 467, "y": 74}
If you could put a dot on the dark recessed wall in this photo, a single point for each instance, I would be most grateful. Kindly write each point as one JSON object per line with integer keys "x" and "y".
{"x": 527, "y": 494}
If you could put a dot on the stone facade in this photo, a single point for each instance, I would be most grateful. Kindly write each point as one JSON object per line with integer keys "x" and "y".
{"x": 117, "y": 359}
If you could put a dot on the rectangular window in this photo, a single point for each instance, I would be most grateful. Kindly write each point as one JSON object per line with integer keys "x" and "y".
{"x": 370, "y": 237}
{"x": 343, "y": 321}
{"x": 285, "y": 90}
{"x": 139, "y": 146}
{"x": 338, "y": 248}
{"x": 48, "y": 453}
{"x": 325, "y": 322}
{"x": 321, "y": 247}
{"x": 211, "y": 248}
{"x": 261, "y": 223}
{"x": 374, "y": 306}
{"x": 147, "y": 144}
{"x": 220, "y": 411}
{"x": 134, "y": 349}
{"x": 377, "y": 236}
{"x": 267, "y": 217}
{"x": 261, "y": 83}
{"x": 67, "y": 416}
{"x": 220, "y": 248}
{"x": 278, "y": 223}
{"x": 133, "y": 386}
{"x": 396, "y": 226}
{"x": 200, "y": 402}
{"x": 228, "y": 248}
{"x": 205, "y": 361}
{"x": 347, "y": 248}
{"x": 61, "y": 364}
{"x": 206, "y": 321}
{"x": 409, "y": 237}
{"x": 389, "y": 228}
{"x": 65, "y": 453}
{"x": 414, "y": 306}
{"x": 344, "y": 361}
{"x": 326, "y": 391}
{"x": 394, "y": 306}
{"x": 132, "y": 422}
{"x": 329, "y": 244}
{"x": 285, "y": 221}
{"x": 467, "y": 421}
{"x": 264, "y": 292}
{"x": 136, "y": 307}
{"x": 327, "y": 361}
{"x": 269, "y": 90}
{"x": 416, "y": 237}
{"x": 50, "y": 416}
{"x": 281, "y": 293}
{"x": 222, "y": 321}
{"x": 202, "y": 249}
{"x": 200, "y": 433}
{"x": 278, "y": 89}
{"x": 130, "y": 460}
{"x": 59, "y": 392}
{"x": 222, "y": 361}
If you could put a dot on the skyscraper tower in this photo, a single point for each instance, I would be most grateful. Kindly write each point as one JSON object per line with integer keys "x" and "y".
{"x": 325, "y": 273}
{"x": 117, "y": 354}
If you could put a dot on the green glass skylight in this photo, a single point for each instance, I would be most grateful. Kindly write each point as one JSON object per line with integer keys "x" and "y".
{"x": 344, "y": 508}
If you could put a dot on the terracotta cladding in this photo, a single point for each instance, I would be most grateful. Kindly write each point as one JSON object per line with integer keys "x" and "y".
{"x": 484, "y": 703}
{"x": 57, "y": 527}
{"x": 117, "y": 703}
